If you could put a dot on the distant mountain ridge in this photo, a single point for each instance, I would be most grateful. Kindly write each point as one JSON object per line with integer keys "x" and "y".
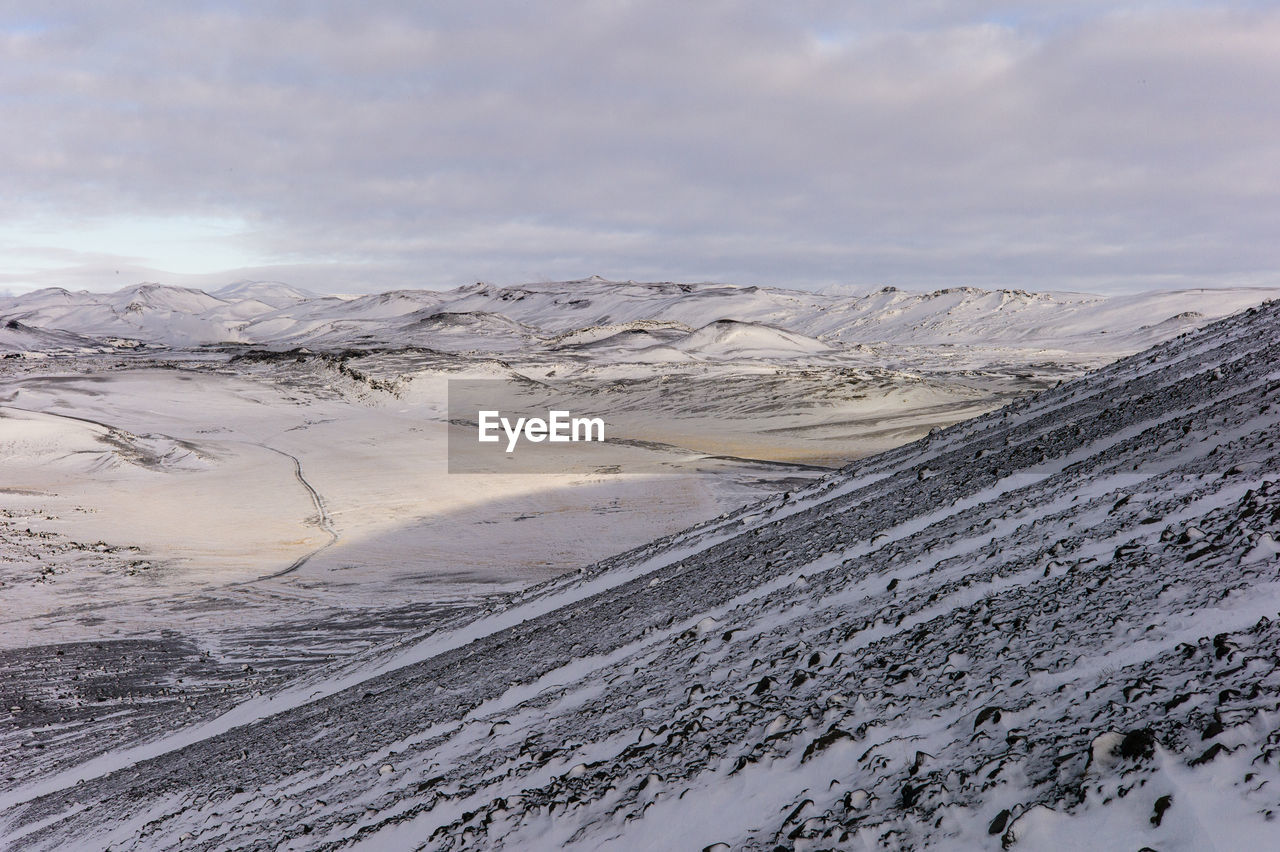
{"x": 536, "y": 316}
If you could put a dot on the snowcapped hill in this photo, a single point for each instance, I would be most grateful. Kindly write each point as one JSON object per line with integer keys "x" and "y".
{"x": 635, "y": 334}
{"x": 150, "y": 313}
{"x": 272, "y": 293}
{"x": 157, "y": 297}
{"x": 550, "y": 315}
{"x": 733, "y": 339}
{"x": 17, "y": 338}
{"x": 956, "y": 315}
{"x": 1050, "y": 627}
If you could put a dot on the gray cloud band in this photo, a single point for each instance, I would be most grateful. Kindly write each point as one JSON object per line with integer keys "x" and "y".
{"x": 1097, "y": 148}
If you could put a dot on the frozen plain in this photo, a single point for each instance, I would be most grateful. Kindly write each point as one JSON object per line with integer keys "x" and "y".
{"x": 321, "y": 654}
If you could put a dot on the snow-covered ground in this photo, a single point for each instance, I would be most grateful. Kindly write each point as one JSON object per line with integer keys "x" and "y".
{"x": 247, "y": 608}
{"x": 202, "y": 479}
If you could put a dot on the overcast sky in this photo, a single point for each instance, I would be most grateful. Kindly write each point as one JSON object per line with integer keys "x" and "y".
{"x": 366, "y": 146}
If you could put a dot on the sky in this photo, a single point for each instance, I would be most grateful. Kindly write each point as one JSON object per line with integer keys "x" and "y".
{"x": 359, "y": 147}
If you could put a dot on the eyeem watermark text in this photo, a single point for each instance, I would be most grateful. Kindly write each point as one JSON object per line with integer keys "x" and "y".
{"x": 559, "y": 427}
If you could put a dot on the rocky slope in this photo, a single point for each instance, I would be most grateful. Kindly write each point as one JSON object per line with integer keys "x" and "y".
{"x": 1053, "y": 626}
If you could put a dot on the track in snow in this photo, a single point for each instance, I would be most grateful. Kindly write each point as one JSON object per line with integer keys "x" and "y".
{"x": 323, "y": 521}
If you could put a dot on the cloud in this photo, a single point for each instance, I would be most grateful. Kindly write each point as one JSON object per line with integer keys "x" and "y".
{"x": 1041, "y": 145}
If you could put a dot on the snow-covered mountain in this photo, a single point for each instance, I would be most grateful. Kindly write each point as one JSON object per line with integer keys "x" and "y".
{"x": 272, "y": 293}
{"x": 528, "y": 318}
{"x": 1050, "y": 627}
{"x": 17, "y": 339}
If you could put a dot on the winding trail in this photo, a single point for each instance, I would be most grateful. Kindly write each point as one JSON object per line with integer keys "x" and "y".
{"x": 323, "y": 520}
